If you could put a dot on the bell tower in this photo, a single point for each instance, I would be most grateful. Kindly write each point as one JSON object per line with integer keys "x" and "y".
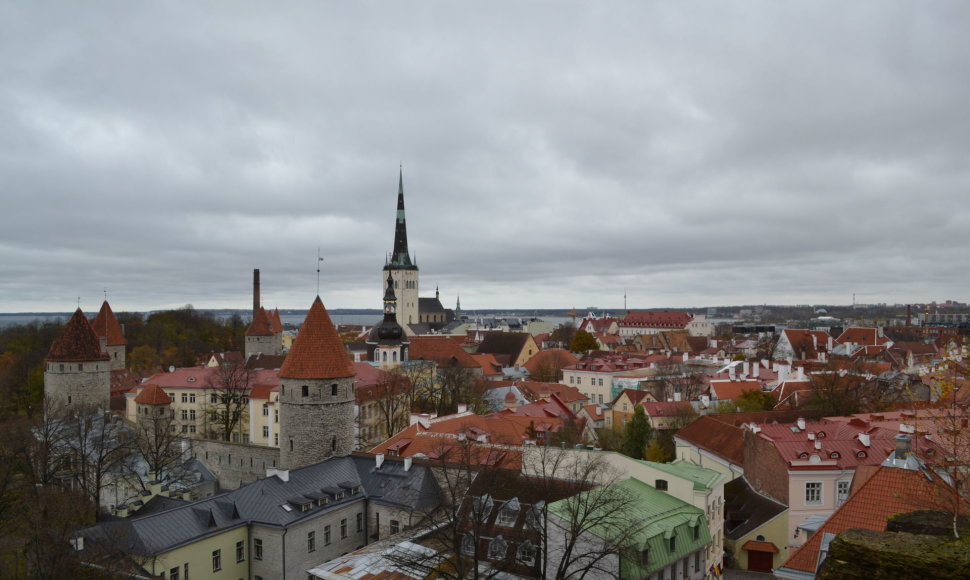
{"x": 402, "y": 269}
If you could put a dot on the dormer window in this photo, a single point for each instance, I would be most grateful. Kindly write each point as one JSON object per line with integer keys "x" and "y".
{"x": 509, "y": 513}
{"x": 526, "y": 554}
{"x": 323, "y": 501}
{"x": 835, "y": 455}
{"x": 645, "y": 557}
{"x": 860, "y": 454}
{"x": 803, "y": 455}
{"x": 661, "y": 485}
{"x": 672, "y": 544}
{"x": 483, "y": 505}
{"x": 497, "y": 548}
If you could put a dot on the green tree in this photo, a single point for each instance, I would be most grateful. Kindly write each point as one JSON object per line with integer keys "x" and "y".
{"x": 583, "y": 342}
{"x": 755, "y": 400}
{"x": 637, "y": 434}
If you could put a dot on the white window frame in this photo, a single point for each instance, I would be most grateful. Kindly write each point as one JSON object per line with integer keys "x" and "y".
{"x": 813, "y": 489}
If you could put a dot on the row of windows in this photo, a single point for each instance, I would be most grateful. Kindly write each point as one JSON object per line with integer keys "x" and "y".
{"x": 813, "y": 492}
{"x": 593, "y": 382}
{"x": 305, "y": 391}
{"x": 498, "y": 548}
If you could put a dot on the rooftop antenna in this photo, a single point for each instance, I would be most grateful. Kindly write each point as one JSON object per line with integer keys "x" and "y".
{"x": 79, "y": 302}
{"x": 319, "y": 259}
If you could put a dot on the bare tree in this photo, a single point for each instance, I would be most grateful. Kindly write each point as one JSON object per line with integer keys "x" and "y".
{"x": 590, "y": 502}
{"x": 844, "y": 388}
{"x": 96, "y": 447}
{"x": 392, "y": 395}
{"x": 679, "y": 382}
{"x": 227, "y": 399}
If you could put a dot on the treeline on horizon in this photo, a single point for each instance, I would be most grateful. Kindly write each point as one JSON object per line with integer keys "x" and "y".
{"x": 162, "y": 339}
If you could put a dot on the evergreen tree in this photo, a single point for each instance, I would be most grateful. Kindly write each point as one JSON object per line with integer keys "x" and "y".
{"x": 583, "y": 342}
{"x": 636, "y": 434}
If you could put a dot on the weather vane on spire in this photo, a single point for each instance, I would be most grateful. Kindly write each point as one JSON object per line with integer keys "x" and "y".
{"x": 319, "y": 259}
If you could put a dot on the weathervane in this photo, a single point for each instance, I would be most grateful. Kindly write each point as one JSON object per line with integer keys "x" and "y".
{"x": 319, "y": 259}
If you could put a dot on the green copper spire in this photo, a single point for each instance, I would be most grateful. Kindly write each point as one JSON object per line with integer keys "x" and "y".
{"x": 400, "y": 258}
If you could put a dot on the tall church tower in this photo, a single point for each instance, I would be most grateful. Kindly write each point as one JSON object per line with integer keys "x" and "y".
{"x": 401, "y": 268}
{"x": 317, "y": 395}
{"x": 78, "y": 372}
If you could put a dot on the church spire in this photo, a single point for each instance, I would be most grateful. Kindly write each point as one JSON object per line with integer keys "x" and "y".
{"x": 401, "y": 258}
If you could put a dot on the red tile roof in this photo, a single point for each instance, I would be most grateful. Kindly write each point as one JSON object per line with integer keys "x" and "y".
{"x": 490, "y": 366}
{"x": 317, "y": 352}
{"x": 441, "y": 349}
{"x": 153, "y": 395}
{"x": 714, "y": 436}
{"x": 668, "y": 408}
{"x": 664, "y": 319}
{"x": 888, "y": 491}
{"x": 862, "y": 336}
{"x": 261, "y": 325}
{"x": 106, "y": 326}
{"x": 77, "y": 343}
{"x": 731, "y": 390}
{"x": 550, "y": 358}
{"x": 276, "y": 323}
{"x": 634, "y": 395}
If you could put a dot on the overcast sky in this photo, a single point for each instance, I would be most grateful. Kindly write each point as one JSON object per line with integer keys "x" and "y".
{"x": 555, "y": 154}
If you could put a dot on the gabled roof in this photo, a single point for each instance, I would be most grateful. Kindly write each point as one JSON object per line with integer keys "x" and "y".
{"x": 661, "y": 319}
{"x": 862, "y": 336}
{"x": 106, "y": 326}
{"x": 730, "y": 390}
{"x": 261, "y": 324}
{"x": 262, "y": 501}
{"x": 668, "y": 408}
{"x": 490, "y": 366}
{"x": 443, "y": 350}
{"x": 153, "y": 395}
{"x": 77, "y": 343}
{"x": 634, "y": 395}
{"x": 550, "y": 358}
{"x": 504, "y": 343}
{"x": 317, "y": 352}
{"x": 716, "y": 437}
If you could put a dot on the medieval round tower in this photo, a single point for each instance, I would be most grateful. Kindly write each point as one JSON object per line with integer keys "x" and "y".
{"x": 317, "y": 395}
{"x": 111, "y": 336}
{"x": 78, "y": 373}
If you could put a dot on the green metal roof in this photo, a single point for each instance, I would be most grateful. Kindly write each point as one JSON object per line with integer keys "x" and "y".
{"x": 661, "y": 516}
{"x": 703, "y": 478}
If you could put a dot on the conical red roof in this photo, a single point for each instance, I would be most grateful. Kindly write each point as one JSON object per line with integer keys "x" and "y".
{"x": 317, "y": 352}
{"x": 276, "y": 323}
{"x": 261, "y": 325}
{"x": 106, "y": 326}
{"x": 78, "y": 342}
{"x": 153, "y": 395}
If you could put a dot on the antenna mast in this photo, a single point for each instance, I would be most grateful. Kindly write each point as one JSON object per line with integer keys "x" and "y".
{"x": 319, "y": 259}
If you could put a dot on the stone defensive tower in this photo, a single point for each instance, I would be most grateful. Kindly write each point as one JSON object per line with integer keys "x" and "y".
{"x": 78, "y": 372}
{"x": 317, "y": 395}
{"x": 262, "y": 336}
{"x": 112, "y": 338}
{"x": 402, "y": 269}
{"x": 154, "y": 413}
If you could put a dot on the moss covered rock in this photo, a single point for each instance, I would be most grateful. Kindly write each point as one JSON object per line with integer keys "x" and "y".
{"x": 865, "y": 554}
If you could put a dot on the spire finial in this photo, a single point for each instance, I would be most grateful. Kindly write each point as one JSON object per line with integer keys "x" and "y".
{"x": 319, "y": 259}
{"x": 78, "y": 302}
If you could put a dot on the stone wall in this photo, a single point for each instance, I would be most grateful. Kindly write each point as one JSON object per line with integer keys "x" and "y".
{"x": 78, "y": 384}
{"x": 235, "y": 463}
{"x": 315, "y": 424}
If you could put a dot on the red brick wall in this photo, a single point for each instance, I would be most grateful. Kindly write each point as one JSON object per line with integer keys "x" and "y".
{"x": 764, "y": 468}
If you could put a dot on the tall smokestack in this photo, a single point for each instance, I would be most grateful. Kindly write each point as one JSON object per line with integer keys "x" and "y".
{"x": 255, "y": 291}
{"x": 909, "y": 315}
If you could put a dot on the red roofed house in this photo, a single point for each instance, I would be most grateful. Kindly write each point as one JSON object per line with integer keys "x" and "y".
{"x": 729, "y": 390}
{"x": 668, "y": 414}
{"x": 895, "y": 487}
{"x": 809, "y": 465}
{"x": 546, "y": 365}
{"x": 635, "y": 323}
{"x": 796, "y": 344}
{"x": 498, "y": 438}
{"x": 594, "y": 375}
{"x": 623, "y": 406}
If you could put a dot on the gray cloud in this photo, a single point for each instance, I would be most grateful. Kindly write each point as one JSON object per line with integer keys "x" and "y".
{"x": 555, "y": 154}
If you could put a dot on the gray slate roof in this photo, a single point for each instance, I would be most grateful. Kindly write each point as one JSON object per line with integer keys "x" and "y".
{"x": 262, "y": 501}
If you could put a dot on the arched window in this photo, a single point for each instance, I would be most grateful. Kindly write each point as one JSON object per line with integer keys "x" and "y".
{"x": 384, "y": 356}
{"x": 393, "y": 356}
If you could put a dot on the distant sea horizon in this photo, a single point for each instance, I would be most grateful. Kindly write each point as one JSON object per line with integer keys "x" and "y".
{"x": 295, "y": 318}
